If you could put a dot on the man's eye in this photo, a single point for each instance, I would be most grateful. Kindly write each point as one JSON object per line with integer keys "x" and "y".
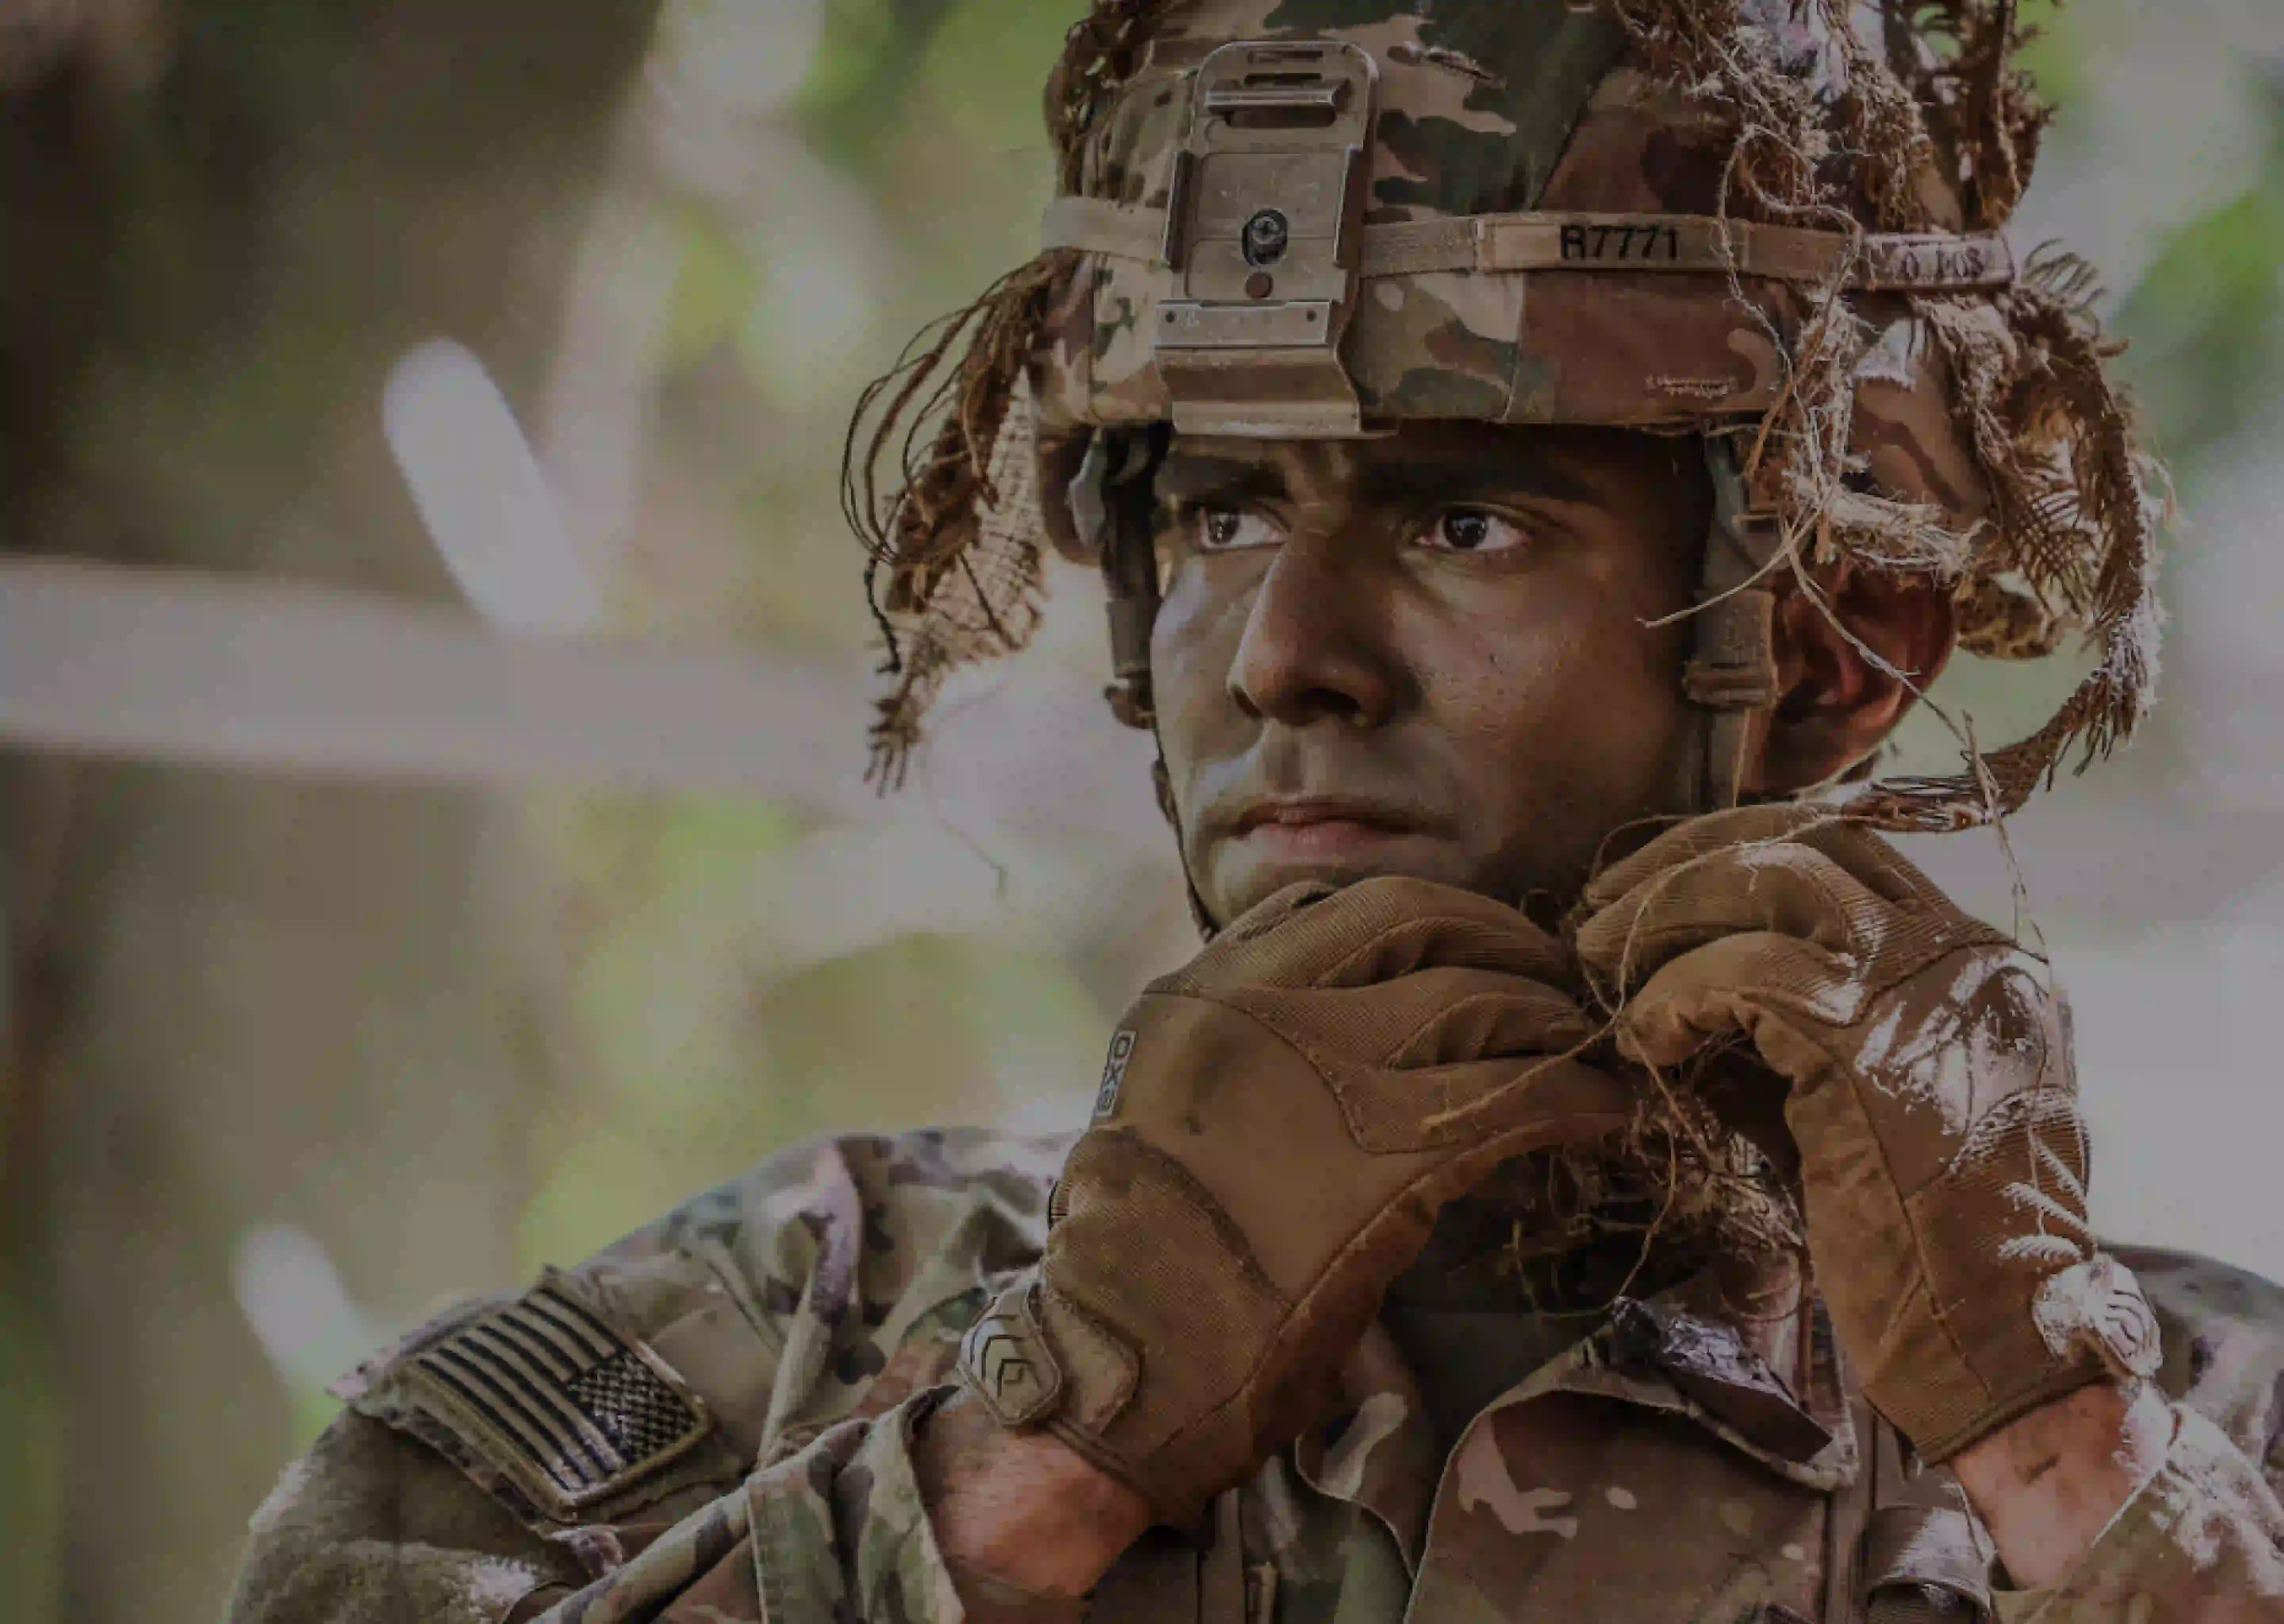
{"x": 1472, "y": 530}
{"x": 1229, "y": 529}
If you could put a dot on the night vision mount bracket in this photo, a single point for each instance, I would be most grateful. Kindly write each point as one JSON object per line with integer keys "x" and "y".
{"x": 1263, "y": 232}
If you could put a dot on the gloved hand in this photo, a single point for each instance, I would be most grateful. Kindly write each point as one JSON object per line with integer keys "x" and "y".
{"x": 1279, "y": 1124}
{"x": 1931, "y": 1099}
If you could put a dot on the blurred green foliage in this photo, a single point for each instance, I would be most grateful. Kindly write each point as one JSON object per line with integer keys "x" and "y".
{"x": 32, "y": 1462}
{"x": 705, "y": 1040}
{"x": 2205, "y": 317}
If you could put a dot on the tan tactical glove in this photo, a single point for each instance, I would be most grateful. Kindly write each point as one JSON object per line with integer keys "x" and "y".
{"x": 1931, "y": 1100}
{"x": 1277, "y": 1127}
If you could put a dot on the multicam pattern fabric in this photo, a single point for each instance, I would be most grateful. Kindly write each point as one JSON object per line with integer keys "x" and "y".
{"x": 1643, "y": 1472}
{"x": 1458, "y": 137}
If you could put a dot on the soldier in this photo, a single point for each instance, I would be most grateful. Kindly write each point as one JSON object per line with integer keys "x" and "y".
{"x": 1530, "y": 447}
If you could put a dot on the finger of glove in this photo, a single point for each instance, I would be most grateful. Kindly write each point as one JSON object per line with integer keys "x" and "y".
{"x": 1270, "y": 912}
{"x": 1524, "y": 1101}
{"x": 1434, "y": 1017}
{"x": 1720, "y": 990}
{"x": 1369, "y": 933}
{"x": 1875, "y": 863}
{"x": 1449, "y": 1016}
{"x": 1790, "y": 889}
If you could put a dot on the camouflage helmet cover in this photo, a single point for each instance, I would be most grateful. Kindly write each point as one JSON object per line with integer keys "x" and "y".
{"x": 1773, "y": 219}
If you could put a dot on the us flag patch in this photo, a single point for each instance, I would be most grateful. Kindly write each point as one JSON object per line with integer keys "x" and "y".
{"x": 575, "y": 1409}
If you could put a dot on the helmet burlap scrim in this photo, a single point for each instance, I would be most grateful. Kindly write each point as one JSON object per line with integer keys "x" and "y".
{"x": 1772, "y": 223}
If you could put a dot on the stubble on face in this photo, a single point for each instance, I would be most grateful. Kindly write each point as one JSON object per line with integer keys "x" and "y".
{"x": 1434, "y": 654}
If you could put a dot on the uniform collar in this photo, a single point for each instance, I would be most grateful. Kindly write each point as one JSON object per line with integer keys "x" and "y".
{"x": 1766, "y": 1381}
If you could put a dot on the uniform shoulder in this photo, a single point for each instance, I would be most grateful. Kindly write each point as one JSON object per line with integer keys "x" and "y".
{"x": 837, "y": 1223}
{"x": 371, "y": 1528}
{"x": 922, "y": 1179}
{"x": 833, "y": 1275}
{"x": 2223, "y": 1340}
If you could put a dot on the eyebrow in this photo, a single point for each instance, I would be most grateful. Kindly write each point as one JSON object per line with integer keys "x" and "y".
{"x": 1187, "y": 476}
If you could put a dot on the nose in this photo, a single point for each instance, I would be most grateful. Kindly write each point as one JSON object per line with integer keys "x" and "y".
{"x": 1314, "y": 648}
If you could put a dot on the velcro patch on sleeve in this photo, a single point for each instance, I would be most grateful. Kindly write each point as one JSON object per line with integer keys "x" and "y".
{"x": 572, "y": 1410}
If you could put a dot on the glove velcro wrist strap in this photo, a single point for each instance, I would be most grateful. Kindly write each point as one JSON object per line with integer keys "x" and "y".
{"x": 1035, "y": 1355}
{"x": 2098, "y": 1308}
{"x": 1005, "y": 1360}
{"x": 1070, "y": 1382}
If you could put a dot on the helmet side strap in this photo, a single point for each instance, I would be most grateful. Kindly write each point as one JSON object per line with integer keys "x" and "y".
{"x": 1111, "y": 498}
{"x": 1114, "y": 490}
{"x": 1731, "y": 676}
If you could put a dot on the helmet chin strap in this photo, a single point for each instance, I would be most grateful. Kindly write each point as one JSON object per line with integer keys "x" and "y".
{"x": 1731, "y": 677}
{"x": 1110, "y": 503}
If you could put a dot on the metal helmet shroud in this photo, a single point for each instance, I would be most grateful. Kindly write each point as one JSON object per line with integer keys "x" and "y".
{"x": 1770, "y": 223}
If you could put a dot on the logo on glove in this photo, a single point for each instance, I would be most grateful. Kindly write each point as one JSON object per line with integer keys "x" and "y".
{"x": 1005, "y": 1363}
{"x": 1113, "y": 1074}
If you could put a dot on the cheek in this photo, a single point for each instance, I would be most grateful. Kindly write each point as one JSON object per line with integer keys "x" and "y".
{"x": 1557, "y": 698}
{"x": 1192, "y": 643}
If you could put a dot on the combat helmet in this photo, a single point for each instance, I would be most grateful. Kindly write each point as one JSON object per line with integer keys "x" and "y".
{"x": 1773, "y": 224}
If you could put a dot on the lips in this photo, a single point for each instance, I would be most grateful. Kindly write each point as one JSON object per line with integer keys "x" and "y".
{"x": 1251, "y": 840}
{"x": 1320, "y": 831}
{"x": 1316, "y": 812}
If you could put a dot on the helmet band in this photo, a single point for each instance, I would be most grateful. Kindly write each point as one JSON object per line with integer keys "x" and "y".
{"x": 1702, "y": 244}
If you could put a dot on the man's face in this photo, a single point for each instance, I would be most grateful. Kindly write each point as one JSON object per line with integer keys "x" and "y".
{"x": 1428, "y": 654}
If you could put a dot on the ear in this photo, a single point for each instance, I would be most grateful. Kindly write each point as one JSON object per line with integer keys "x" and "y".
{"x": 1840, "y": 703}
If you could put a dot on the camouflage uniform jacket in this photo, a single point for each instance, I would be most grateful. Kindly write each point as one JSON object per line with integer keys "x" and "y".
{"x": 711, "y": 1421}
